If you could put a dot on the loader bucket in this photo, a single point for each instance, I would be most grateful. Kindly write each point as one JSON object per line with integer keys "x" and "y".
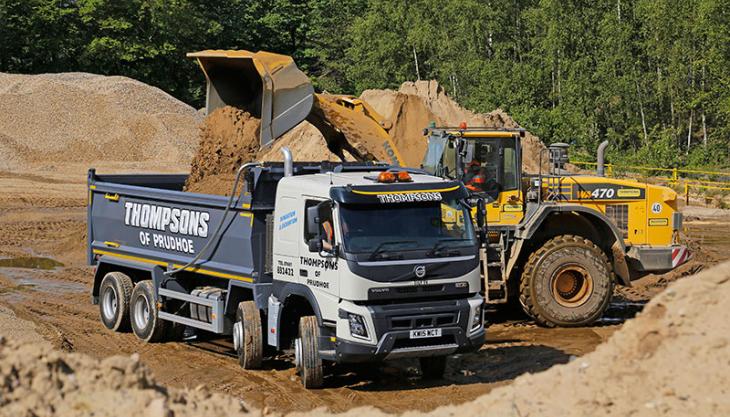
{"x": 267, "y": 85}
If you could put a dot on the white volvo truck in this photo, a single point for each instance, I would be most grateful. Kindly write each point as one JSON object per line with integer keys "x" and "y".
{"x": 339, "y": 263}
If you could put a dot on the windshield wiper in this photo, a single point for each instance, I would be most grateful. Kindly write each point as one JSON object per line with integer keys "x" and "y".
{"x": 439, "y": 248}
{"x": 380, "y": 248}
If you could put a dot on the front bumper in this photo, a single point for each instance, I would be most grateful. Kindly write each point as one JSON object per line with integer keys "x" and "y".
{"x": 393, "y": 323}
{"x": 657, "y": 259}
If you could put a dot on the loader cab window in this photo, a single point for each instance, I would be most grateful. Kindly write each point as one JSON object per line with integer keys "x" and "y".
{"x": 490, "y": 165}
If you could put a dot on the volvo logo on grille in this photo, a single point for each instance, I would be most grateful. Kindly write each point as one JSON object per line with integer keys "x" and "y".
{"x": 420, "y": 271}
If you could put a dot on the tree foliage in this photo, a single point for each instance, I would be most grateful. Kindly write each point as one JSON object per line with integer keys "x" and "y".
{"x": 649, "y": 75}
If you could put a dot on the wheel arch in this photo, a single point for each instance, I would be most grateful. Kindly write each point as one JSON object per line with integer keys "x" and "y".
{"x": 297, "y": 301}
{"x": 577, "y": 220}
{"x": 135, "y": 270}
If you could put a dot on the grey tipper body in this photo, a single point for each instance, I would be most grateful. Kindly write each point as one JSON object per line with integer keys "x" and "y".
{"x": 394, "y": 300}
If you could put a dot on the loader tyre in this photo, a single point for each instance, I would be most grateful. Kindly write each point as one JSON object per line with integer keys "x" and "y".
{"x": 248, "y": 335}
{"x": 568, "y": 282}
{"x": 433, "y": 367}
{"x": 146, "y": 325}
{"x": 306, "y": 351}
{"x": 114, "y": 294}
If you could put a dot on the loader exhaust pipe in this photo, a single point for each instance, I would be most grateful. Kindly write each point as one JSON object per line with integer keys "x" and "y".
{"x": 601, "y": 160}
{"x": 288, "y": 162}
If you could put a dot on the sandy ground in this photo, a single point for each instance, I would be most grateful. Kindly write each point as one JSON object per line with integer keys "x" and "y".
{"x": 42, "y": 219}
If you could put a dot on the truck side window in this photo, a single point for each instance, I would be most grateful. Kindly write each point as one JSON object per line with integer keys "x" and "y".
{"x": 326, "y": 225}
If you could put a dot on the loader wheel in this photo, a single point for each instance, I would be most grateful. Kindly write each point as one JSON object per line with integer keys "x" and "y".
{"x": 433, "y": 367}
{"x": 143, "y": 314}
{"x": 306, "y": 353}
{"x": 114, "y": 294}
{"x": 567, "y": 282}
{"x": 248, "y": 335}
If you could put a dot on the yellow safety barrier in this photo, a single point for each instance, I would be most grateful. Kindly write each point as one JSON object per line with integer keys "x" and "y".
{"x": 675, "y": 172}
{"x": 688, "y": 185}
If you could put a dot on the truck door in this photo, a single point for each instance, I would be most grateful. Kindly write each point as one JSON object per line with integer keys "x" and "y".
{"x": 287, "y": 234}
{"x": 319, "y": 271}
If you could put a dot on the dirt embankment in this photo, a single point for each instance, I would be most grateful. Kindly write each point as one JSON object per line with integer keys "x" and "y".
{"x": 52, "y": 119}
{"x": 670, "y": 360}
{"x": 416, "y": 104}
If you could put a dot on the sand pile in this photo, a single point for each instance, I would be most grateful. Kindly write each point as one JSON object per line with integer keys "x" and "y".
{"x": 673, "y": 359}
{"x": 416, "y": 104}
{"x": 76, "y": 117}
{"x": 37, "y": 381}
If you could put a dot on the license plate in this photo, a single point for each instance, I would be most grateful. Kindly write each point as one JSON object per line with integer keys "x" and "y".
{"x": 425, "y": 333}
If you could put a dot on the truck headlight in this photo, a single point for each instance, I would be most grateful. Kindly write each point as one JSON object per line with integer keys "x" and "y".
{"x": 476, "y": 318}
{"x": 357, "y": 325}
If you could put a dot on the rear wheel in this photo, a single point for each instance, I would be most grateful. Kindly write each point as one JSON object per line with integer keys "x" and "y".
{"x": 114, "y": 294}
{"x": 567, "y": 282}
{"x": 143, "y": 314}
{"x": 248, "y": 335}
{"x": 433, "y": 367}
{"x": 306, "y": 353}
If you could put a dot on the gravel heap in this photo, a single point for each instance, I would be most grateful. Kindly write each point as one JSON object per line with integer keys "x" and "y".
{"x": 37, "y": 381}
{"x": 49, "y": 119}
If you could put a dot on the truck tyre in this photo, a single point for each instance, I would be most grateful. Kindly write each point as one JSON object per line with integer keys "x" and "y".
{"x": 567, "y": 282}
{"x": 114, "y": 294}
{"x": 433, "y": 367}
{"x": 143, "y": 314}
{"x": 248, "y": 335}
{"x": 306, "y": 352}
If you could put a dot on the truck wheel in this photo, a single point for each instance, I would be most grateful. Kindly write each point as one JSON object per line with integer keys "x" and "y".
{"x": 114, "y": 294}
{"x": 433, "y": 367}
{"x": 143, "y": 314}
{"x": 568, "y": 282}
{"x": 248, "y": 335}
{"x": 306, "y": 353}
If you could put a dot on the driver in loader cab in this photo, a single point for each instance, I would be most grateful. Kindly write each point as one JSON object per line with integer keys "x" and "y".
{"x": 474, "y": 177}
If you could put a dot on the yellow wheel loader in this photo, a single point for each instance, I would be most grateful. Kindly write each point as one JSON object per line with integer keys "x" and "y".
{"x": 558, "y": 242}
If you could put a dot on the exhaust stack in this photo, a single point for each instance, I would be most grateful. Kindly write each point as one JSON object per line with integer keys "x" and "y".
{"x": 601, "y": 152}
{"x": 288, "y": 162}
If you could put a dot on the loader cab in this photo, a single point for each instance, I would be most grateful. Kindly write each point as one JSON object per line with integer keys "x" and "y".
{"x": 487, "y": 162}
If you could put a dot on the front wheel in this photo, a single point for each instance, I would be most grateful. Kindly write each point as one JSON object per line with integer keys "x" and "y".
{"x": 567, "y": 282}
{"x": 306, "y": 353}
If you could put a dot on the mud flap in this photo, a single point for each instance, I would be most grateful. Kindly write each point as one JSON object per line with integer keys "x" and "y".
{"x": 274, "y": 310}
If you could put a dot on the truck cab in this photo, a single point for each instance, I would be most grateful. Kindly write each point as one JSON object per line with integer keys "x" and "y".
{"x": 391, "y": 267}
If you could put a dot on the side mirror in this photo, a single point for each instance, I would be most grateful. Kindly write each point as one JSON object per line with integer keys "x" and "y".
{"x": 313, "y": 221}
{"x": 315, "y": 245}
{"x": 482, "y": 220}
{"x": 481, "y": 213}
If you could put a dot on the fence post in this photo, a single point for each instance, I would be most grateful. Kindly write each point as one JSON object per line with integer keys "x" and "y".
{"x": 686, "y": 193}
{"x": 674, "y": 175}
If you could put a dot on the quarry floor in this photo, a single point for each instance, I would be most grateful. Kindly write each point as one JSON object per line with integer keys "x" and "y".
{"x": 44, "y": 291}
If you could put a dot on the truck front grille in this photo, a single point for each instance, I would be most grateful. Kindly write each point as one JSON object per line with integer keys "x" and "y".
{"x": 421, "y": 322}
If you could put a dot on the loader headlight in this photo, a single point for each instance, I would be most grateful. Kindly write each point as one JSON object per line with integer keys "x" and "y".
{"x": 357, "y": 325}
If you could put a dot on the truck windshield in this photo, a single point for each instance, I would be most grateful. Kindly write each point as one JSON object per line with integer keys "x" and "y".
{"x": 438, "y": 227}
